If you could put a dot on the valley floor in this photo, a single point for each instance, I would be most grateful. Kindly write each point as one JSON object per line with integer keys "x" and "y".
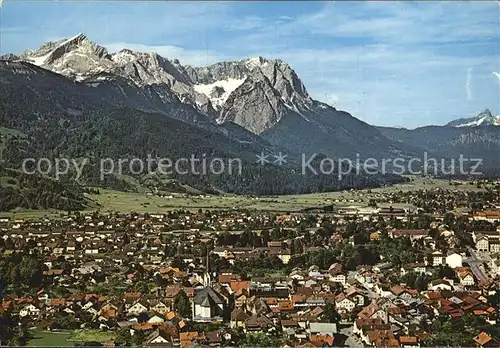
{"x": 110, "y": 200}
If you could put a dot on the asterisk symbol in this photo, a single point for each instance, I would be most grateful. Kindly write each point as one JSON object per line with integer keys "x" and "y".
{"x": 280, "y": 158}
{"x": 262, "y": 159}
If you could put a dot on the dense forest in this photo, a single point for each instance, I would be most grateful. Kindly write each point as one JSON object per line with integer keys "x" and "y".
{"x": 37, "y": 192}
{"x": 127, "y": 134}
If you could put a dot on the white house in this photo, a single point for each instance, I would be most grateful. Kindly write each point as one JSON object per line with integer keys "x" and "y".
{"x": 418, "y": 268}
{"x": 156, "y": 337}
{"x": 454, "y": 260}
{"x": 437, "y": 258}
{"x": 339, "y": 278}
{"x": 329, "y": 329}
{"x": 160, "y": 307}
{"x": 482, "y": 243}
{"x": 494, "y": 245}
{"x": 29, "y": 310}
{"x": 343, "y": 302}
{"x": 466, "y": 279}
{"x": 137, "y": 308}
{"x": 495, "y": 266}
{"x": 440, "y": 284}
{"x": 156, "y": 319}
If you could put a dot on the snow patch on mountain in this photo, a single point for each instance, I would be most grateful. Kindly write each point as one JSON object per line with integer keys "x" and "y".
{"x": 485, "y": 118}
{"x": 254, "y": 62}
{"x": 123, "y": 57}
{"x": 39, "y": 61}
{"x": 474, "y": 123}
{"x": 219, "y": 91}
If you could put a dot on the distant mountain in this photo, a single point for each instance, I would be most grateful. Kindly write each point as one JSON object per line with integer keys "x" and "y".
{"x": 485, "y": 118}
{"x": 264, "y": 96}
{"x": 450, "y": 142}
{"x": 475, "y": 137}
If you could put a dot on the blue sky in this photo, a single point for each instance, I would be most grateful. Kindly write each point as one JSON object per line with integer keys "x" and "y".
{"x": 388, "y": 63}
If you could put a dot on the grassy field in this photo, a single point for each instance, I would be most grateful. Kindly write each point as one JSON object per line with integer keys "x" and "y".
{"x": 31, "y": 214}
{"x": 67, "y": 338}
{"x": 124, "y": 202}
{"x": 49, "y": 339}
{"x": 110, "y": 200}
{"x": 91, "y": 335}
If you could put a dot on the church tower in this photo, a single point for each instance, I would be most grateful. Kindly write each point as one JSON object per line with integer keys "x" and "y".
{"x": 207, "y": 279}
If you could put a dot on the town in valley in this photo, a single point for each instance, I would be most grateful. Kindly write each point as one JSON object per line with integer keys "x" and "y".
{"x": 400, "y": 268}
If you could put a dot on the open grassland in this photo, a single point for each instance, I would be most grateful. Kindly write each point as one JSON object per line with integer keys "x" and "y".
{"x": 110, "y": 200}
{"x": 41, "y": 338}
{"x": 67, "y": 338}
{"x": 140, "y": 202}
{"x": 31, "y": 214}
{"x": 88, "y": 335}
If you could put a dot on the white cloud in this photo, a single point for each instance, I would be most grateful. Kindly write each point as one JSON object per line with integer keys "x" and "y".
{"x": 245, "y": 23}
{"x": 186, "y": 57}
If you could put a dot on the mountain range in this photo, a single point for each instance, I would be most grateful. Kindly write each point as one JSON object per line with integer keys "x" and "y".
{"x": 73, "y": 97}
{"x": 264, "y": 96}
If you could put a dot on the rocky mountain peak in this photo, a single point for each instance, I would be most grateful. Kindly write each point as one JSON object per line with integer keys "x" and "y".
{"x": 9, "y": 57}
{"x": 255, "y": 80}
{"x": 74, "y": 57}
{"x": 485, "y": 113}
{"x": 256, "y": 62}
{"x": 287, "y": 82}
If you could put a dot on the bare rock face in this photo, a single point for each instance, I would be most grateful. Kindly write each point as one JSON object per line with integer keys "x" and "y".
{"x": 9, "y": 57}
{"x": 255, "y": 105}
{"x": 217, "y": 92}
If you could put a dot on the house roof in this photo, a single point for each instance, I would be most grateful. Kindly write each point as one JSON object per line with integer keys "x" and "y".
{"x": 227, "y": 278}
{"x": 321, "y": 340}
{"x": 155, "y": 334}
{"x": 482, "y": 338}
{"x": 214, "y": 337}
{"x": 397, "y": 290}
{"x": 207, "y": 294}
{"x": 408, "y": 339}
{"x": 368, "y": 311}
{"x": 261, "y": 321}
{"x": 239, "y": 315}
{"x": 239, "y": 285}
{"x": 172, "y": 291}
{"x": 400, "y": 232}
{"x": 371, "y": 321}
{"x": 289, "y": 323}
